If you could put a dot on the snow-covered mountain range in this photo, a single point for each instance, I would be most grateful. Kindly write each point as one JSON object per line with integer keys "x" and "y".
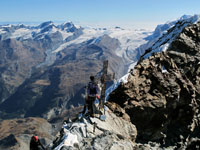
{"x": 72, "y": 35}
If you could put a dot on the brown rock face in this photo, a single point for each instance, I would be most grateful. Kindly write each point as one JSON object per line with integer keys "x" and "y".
{"x": 114, "y": 107}
{"x": 185, "y": 51}
{"x": 162, "y": 94}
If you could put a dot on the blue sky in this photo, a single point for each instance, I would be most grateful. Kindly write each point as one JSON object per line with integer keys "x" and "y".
{"x": 105, "y": 12}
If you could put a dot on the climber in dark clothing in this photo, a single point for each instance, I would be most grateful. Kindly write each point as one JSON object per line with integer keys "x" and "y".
{"x": 92, "y": 90}
{"x": 35, "y": 144}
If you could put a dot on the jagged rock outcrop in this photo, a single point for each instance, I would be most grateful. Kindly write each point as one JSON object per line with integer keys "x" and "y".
{"x": 162, "y": 94}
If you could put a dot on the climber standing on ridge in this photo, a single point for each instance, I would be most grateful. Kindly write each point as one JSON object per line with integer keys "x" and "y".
{"x": 92, "y": 94}
{"x": 35, "y": 144}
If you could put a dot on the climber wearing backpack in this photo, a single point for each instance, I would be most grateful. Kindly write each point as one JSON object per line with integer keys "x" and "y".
{"x": 92, "y": 90}
{"x": 35, "y": 144}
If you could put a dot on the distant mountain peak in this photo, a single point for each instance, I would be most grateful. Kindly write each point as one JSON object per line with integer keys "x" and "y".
{"x": 45, "y": 24}
{"x": 67, "y": 26}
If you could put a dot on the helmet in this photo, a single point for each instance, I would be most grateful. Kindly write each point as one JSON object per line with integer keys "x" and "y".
{"x": 98, "y": 97}
{"x": 35, "y": 138}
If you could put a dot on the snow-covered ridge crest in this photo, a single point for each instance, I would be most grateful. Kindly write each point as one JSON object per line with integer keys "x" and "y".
{"x": 168, "y": 32}
{"x": 123, "y": 79}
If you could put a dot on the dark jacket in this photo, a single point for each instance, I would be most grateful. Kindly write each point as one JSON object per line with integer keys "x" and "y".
{"x": 36, "y": 145}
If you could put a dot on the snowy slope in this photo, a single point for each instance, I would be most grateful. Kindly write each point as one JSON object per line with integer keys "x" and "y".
{"x": 22, "y": 32}
{"x": 129, "y": 39}
{"x": 123, "y": 79}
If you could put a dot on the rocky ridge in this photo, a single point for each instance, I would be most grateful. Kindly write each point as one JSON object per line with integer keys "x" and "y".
{"x": 93, "y": 133}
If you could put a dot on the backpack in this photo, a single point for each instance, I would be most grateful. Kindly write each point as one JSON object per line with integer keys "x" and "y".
{"x": 92, "y": 89}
